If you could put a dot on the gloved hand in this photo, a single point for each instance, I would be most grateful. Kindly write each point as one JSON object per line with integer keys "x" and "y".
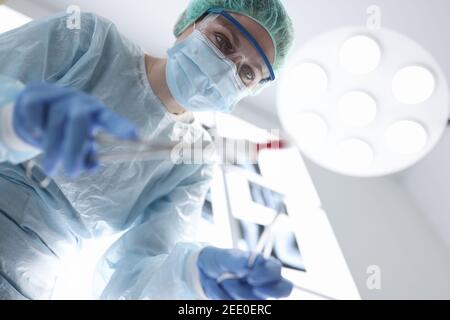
{"x": 261, "y": 281}
{"x": 61, "y": 122}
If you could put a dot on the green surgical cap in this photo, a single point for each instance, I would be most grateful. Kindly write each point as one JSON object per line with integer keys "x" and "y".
{"x": 269, "y": 13}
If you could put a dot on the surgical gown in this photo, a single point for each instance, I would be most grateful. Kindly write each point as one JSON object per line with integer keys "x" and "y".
{"x": 155, "y": 203}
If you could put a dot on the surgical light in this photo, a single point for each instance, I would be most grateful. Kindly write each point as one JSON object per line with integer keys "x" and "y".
{"x": 364, "y": 102}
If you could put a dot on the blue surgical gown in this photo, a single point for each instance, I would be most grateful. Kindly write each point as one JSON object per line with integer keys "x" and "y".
{"x": 155, "y": 203}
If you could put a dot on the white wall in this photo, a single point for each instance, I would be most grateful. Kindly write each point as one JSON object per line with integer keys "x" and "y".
{"x": 378, "y": 223}
{"x": 399, "y": 223}
{"x": 429, "y": 184}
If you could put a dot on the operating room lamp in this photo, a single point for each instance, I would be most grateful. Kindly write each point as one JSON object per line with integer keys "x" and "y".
{"x": 364, "y": 102}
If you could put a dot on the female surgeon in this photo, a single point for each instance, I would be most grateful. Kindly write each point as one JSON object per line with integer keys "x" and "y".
{"x": 60, "y": 86}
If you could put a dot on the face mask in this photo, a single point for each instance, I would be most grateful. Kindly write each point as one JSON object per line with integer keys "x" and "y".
{"x": 200, "y": 78}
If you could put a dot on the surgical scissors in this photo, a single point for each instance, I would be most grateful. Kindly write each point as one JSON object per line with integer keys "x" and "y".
{"x": 138, "y": 150}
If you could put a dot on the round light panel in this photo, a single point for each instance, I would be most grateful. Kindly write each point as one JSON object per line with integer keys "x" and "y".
{"x": 357, "y": 109}
{"x": 360, "y": 55}
{"x": 354, "y": 154}
{"x": 406, "y": 137}
{"x": 308, "y": 79}
{"x": 413, "y": 85}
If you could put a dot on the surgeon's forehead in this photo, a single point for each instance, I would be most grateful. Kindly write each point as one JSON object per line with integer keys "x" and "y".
{"x": 258, "y": 32}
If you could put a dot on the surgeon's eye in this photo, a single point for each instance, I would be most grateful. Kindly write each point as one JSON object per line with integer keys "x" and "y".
{"x": 247, "y": 74}
{"x": 223, "y": 44}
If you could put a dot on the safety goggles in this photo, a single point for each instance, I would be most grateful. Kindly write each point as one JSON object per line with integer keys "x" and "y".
{"x": 236, "y": 44}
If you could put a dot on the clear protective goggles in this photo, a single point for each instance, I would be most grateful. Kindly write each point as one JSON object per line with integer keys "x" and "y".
{"x": 234, "y": 43}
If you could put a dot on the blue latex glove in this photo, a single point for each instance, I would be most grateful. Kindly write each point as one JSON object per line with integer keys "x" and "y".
{"x": 61, "y": 122}
{"x": 261, "y": 281}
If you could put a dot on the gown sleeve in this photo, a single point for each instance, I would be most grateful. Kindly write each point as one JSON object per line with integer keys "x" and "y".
{"x": 47, "y": 50}
{"x": 44, "y": 51}
{"x": 157, "y": 259}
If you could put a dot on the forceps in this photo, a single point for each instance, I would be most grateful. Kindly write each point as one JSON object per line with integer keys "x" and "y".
{"x": 263, "y": 247}
{"x": 140, "y": 149}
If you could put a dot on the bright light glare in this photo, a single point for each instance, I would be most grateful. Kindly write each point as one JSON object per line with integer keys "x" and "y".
{"x": 310, "y": 129}
{"x": 354, "y": 155}
{"x": 357, "y": 109}
{"x": 406, "y": 137}
{"x": 360, "y": 55}
{"x": 307, "y": 80}
{"x": 76, "y": 279}
{"x": 11, "y": 19}
{"x": 413, "y": 85}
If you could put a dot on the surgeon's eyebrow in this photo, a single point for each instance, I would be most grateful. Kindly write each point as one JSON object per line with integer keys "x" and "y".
{"x": 237, "y": 41}
{"x": 229, "y": 27}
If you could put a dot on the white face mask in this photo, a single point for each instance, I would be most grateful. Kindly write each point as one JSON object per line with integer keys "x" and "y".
{"x": 201, "y": 78}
